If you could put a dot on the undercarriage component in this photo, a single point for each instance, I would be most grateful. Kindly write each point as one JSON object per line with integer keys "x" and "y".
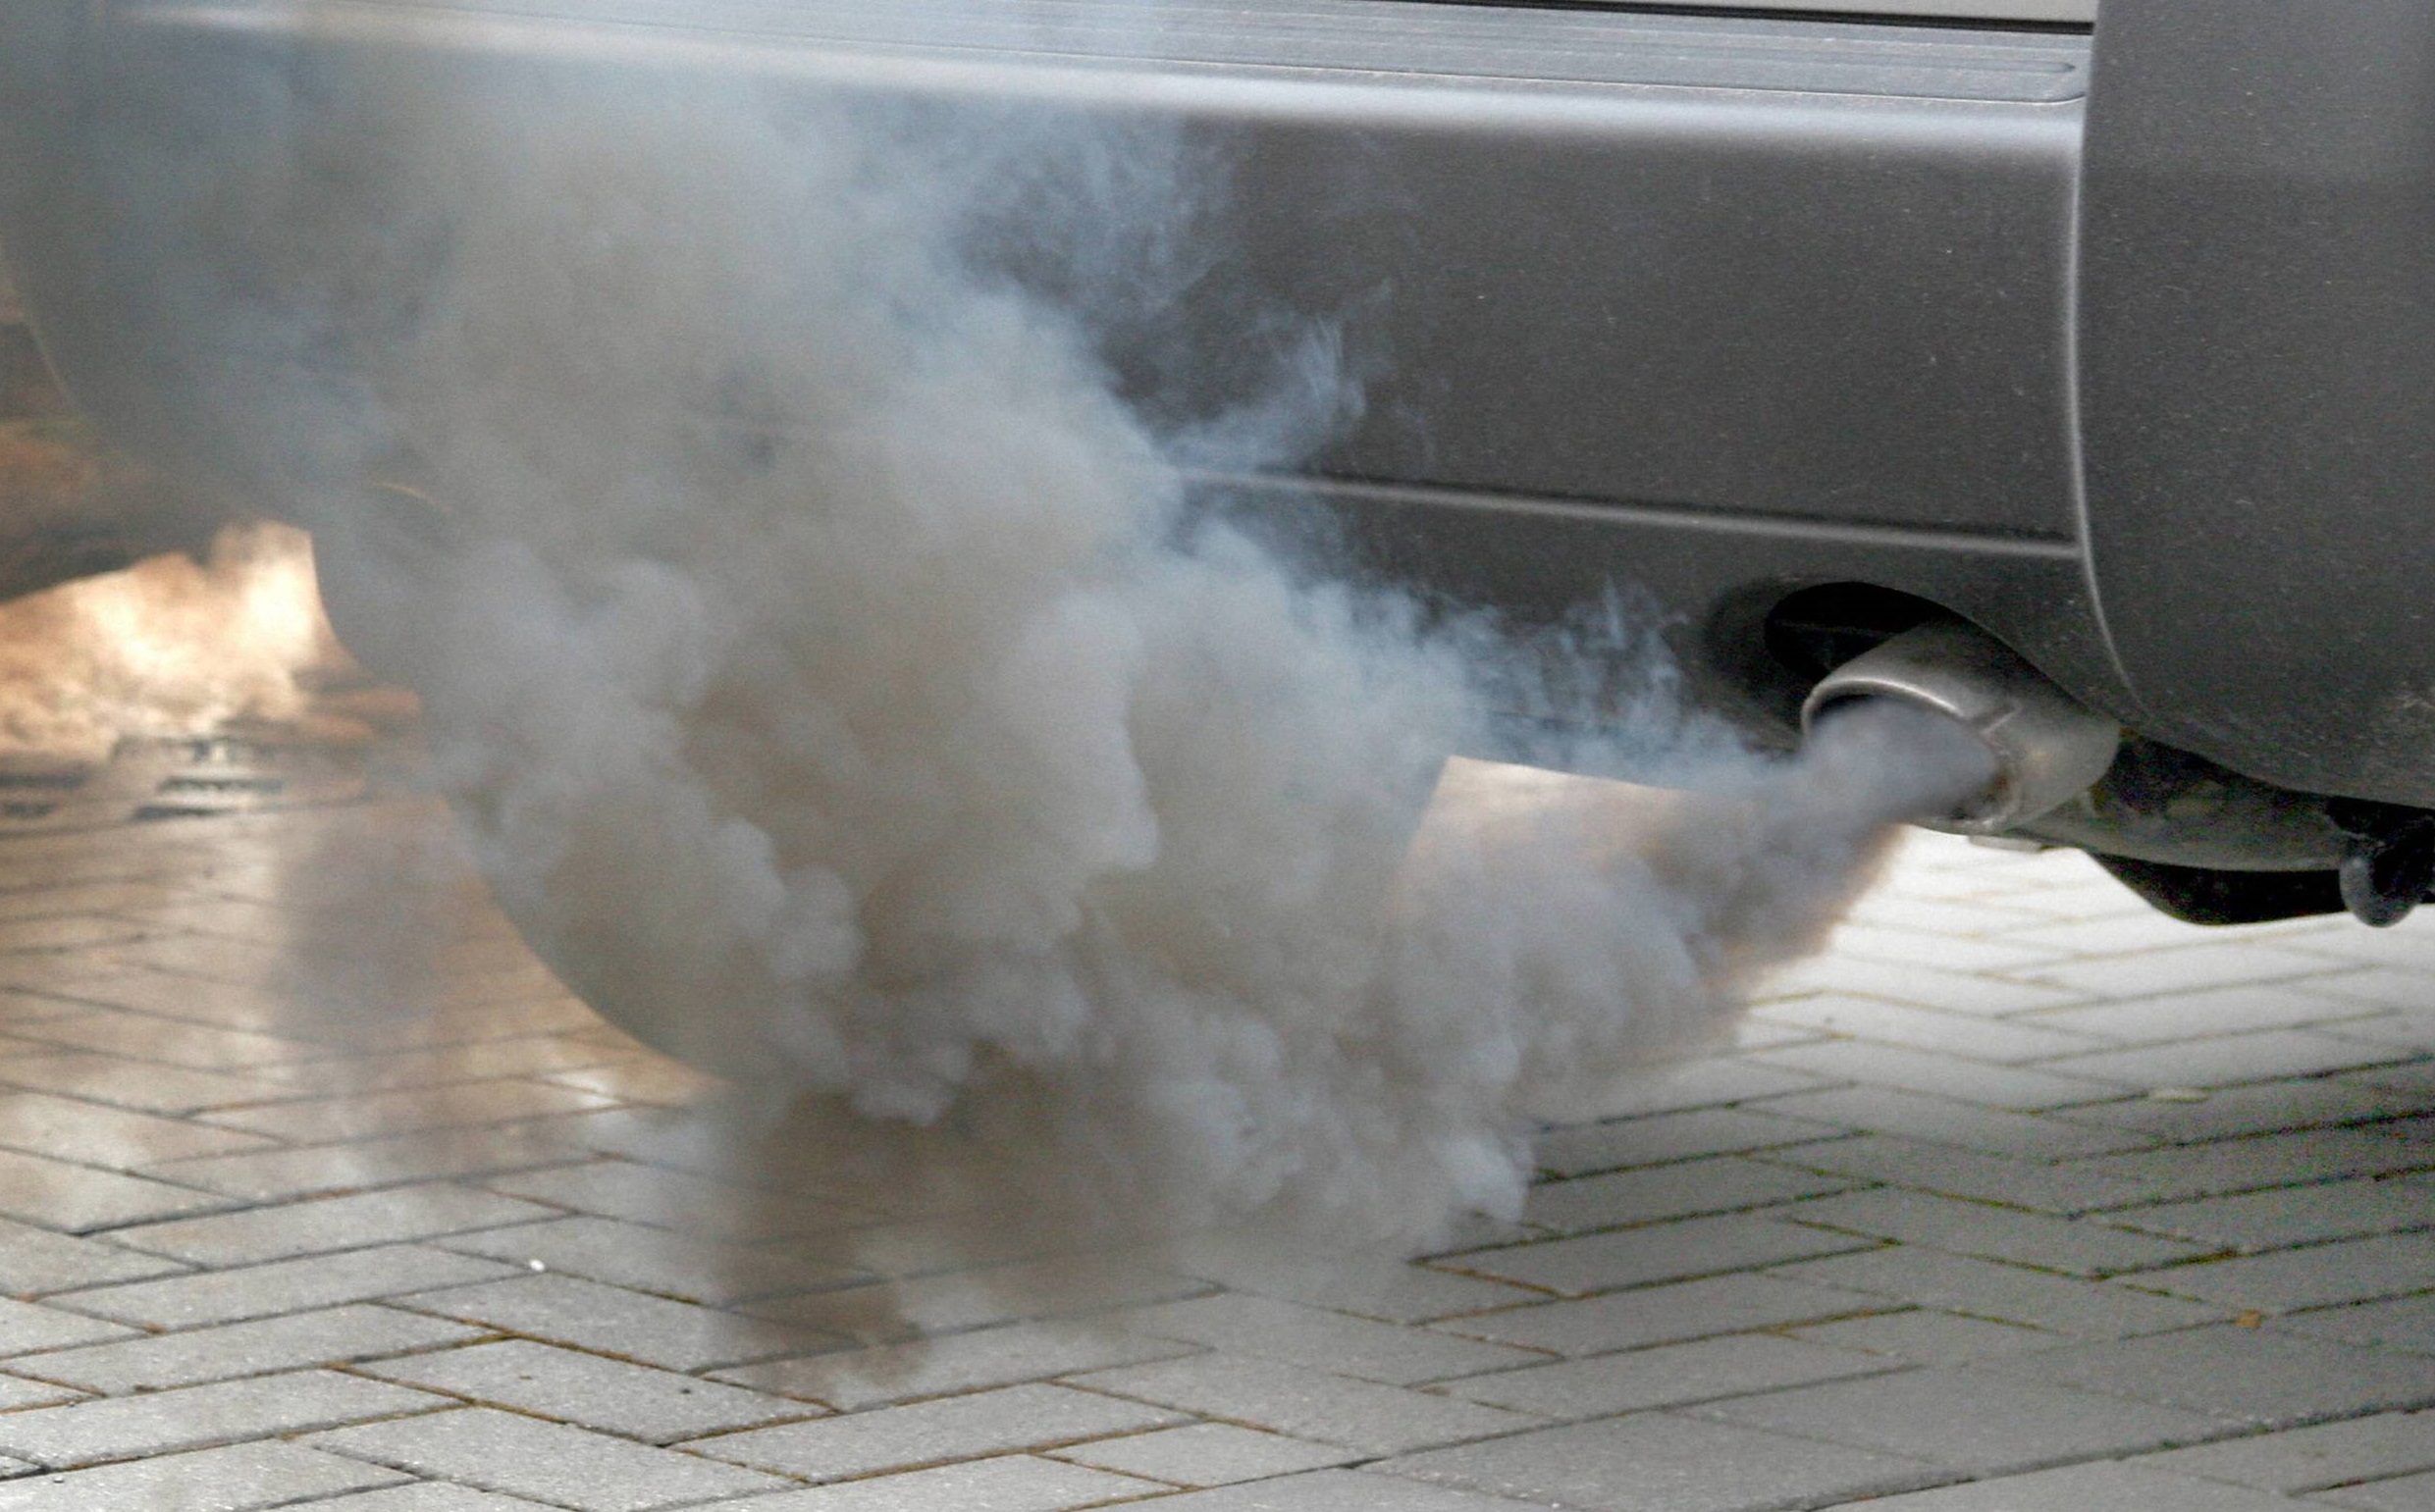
{"x": 2390, "y": 860}
{"x": 2206, "y": 895}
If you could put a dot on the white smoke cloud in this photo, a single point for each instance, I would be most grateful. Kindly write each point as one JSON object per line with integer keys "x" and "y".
{"x": 842, "y": 694}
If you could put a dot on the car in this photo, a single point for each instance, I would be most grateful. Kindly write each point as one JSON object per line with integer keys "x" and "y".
{"x": 2067, "y": 371}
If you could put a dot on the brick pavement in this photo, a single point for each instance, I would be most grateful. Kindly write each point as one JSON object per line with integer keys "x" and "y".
{"x": 315, "y": 1190}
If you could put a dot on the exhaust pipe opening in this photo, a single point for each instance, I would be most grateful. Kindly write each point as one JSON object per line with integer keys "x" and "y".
{"x": 2049, "y": 747}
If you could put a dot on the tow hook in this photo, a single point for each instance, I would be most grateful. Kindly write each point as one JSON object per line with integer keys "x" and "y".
{"x": 2389, "y": 861}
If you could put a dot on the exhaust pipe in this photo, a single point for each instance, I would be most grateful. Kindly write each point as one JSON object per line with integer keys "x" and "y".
{"x": 2049, "y": 747}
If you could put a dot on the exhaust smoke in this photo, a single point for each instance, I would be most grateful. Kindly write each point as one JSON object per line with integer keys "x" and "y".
{"x": 842, "y": 689}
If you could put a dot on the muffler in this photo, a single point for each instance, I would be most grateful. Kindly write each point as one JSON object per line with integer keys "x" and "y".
{"x": 2048, "y": 746}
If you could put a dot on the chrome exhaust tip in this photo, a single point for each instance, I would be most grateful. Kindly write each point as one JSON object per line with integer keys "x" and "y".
{"x": 2049, "y": 747}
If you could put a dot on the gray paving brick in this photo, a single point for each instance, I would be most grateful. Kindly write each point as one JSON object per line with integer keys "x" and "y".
{"x": 2223, "y": 1166}
{"x": 2019, "y": 1088}
{"x": 2404, "y": 1493}
{"x": 1925, "y": 986}
{"x": 1061, "y": 1288}
{"x": 150, "y": 1362}
{"x": 26, "y": 1326}
{"x": 585, "y": 1315}
{"x": 290, "y": 1230}
{"x": 976, "y": 1426}
{"x": 1861, "y": 940}
{"x": 361, "y": 1115}
{"x": 1658, "y": 1252}
{"x": 1338, "y": 1490}
{"x": 2185, "y": 968}
{"x": 2258, "y": 1108}
{"x": 2104, "y": 1486}
{"x": 1987, "y": 1289}
{"x": 2075, "y": 1245}
{"x": 855, "y": 1378}
{"x": 1019, "y": 1482}
{"x": 2291, "y": 1216}
{"x": 1657, "y": 1462}
{"x": 1306, "y": 1403}
{"x": 284, "y": 1286}
{"x": 2311, "y": 1459}
{"x": 239, "y": 1478}
{"x": 269, "y": 1176}
{"x": 2265, "y": 1056}
{"x": 2402, "y": 1323}
{"x": 144, "y": 1036}
{"x": 1709, "y": 1082}
{"x": 95, "y": 1134}
{"x": 1941, "y": 1121}
{"x": 1972, "y": 1420}
{"x": 1665, "y": 1376}
{"x": 690, "y": 1266}
{"x": 1366, "y": 1285}
{"x": 1721, "y": 1185}
{"x": 1208, "y": 1454}
{"x": 567, "y": 1467}
{"x": 2252, "y": 1374}
{"x": 87, "y": 1433}
{"x": 644, "y": 1194}
{"x": 1953, "y": 1171}
{"x": 424, "y": 1496}
{"x": 1262, "y": 1328}
{"x": 54, "y": 1194}
{"x": 1927, "y": 1337}
{"x": 1589, "y": 1148}
{"x": 137, "y": 1085}
{"x": 34, "y": 1261}
{"x": 608, "y": 1395}
{"x": 1657, "y": 1315}
{"x": 2181, "y": 1016}
{"x": 2320, "y": 1276}
{"x": 1998, "y": 1040}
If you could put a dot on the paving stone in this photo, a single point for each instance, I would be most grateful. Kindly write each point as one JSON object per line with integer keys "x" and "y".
{"x": 2311, "y": 1459}
{"x": 1959, "y": 1227}
{"x": 283, "y": 1287}
{"x": 2258, "y": 1108}
{"x": 424, "y": 1496}
{"x": 608, "y": 1395}
{"x": 1926, "y": 986}
{"x": 54, "y": 1194}
{"x": 2264, "y": 1056}
{"x": 1364, "y": 1285}
{"x": 692, "y": 1267}
{"x": 975, "y": 1426}
{"x": 2185, "y": 968}
{"x": 1339, "y": 1490}
{"x": 2404, "y": 1493}
{"x": 1061, "y": 1288}
{"x": 269, "y": 1176}
{"x": 359, "y": 1115}
{"x": 585, "y": 1315}
{"x": 1655, "y": 1314}
{"x": 2292, "y": 1216}
{"x": 1657, "y": 1462}
{"x": 1972, "y": 1420}
{"x": 34, "y": 1261}
{"x": 1208, "y": 1454}
{"x": 1985, "y": 1288}
{"x": 852, "y": 1379}
{"x": 644, "y": 1194}
{"x": 1262, "y": 1328}
{"x": 567, "y": 1467}
{"x": 1709, "y": 1082}
{"x": 2224, "y": 1167}
{"x": 2252, "y": 1374}
{"x": 150, "y": 1362}
{"x": 26, "y": 1327}
{"x": 1941, "y": 1121}
{"x": 2320, "y": 1276}
{"x": 2183, "y": 1015}
{"x": 1658, "y": 1252}
{"x": 290, "y": 1230}
{"x": 1926, "y": 1336}
{"x": 199, "y": 1416}
{"x": 2402, "y": 1323}
{"x": 238, "y": 1479}
{"x": 1306, "y": 1403}
{"x": 97, "y": 1134}
{"x": 138, "y": 1086}
{"x": 1588, "y": 1148}
{"x": 1919, "y": 1028}
{"x": 1665, "y": 1376}
{"x": 1722, "y": 1184}
{"x": 2019, "y": 1088}
{"x": 1953, "y": 1171}
{"x": 1019, "y": 1482}
{"x": 2103, "y": 1487}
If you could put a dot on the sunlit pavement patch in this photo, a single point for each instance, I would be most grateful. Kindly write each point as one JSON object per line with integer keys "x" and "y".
{"x": 2012, "y": 1185}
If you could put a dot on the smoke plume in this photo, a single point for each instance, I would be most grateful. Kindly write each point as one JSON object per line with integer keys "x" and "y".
{"x": 844, "y": 689}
